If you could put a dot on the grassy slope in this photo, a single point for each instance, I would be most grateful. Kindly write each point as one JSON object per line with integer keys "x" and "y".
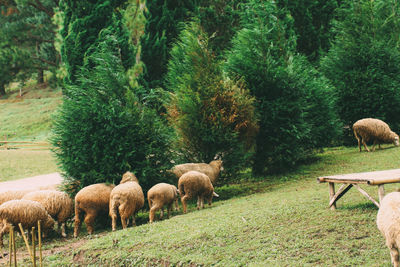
{"x": 27, "y": 118}
{"x": 287, "y": 225}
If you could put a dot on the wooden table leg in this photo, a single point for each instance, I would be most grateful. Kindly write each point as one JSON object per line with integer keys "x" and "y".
{"x": 332, "y": 194}
{"x": 381, "y": 192}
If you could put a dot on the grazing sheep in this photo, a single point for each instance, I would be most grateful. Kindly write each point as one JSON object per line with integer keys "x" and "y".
{"x": 193, "y": 184}
{"x": 126, "y": 199}
{"x": 159, "y": 195}
{"x": 374, "y": 130}
{"x": 12, "y": 195}
{"x": 57, "y": 204}
{"x": 212, "y": 169}
{"x": 26, "y": 212}
{"x": 91, "y": 200}
{"x": 388, "y": 221}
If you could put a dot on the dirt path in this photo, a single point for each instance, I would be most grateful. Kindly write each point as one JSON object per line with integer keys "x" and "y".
{"x": 47, "y": 181}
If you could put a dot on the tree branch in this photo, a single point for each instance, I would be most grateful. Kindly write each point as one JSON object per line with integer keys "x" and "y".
{"x": 41, "y": 7}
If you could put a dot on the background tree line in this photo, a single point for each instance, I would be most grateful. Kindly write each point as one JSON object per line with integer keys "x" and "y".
{"x": 262, "y": 84}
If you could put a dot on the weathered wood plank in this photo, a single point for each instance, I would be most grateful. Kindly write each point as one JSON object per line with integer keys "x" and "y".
{"x": 342, "y": 190}
{"x": 332, "y": 194}
{"x": 366, "y": 194}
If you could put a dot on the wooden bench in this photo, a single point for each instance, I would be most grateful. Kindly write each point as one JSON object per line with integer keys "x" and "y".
{"x": 378, "y": 178}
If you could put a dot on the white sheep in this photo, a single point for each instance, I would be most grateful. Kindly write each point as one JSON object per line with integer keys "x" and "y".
{"x": 388, "y": 221}
{"x": 161, "y": 195}
{"x": 126, "y": 199}
{"x": 192, "y": 184}
{"x": 373, "y": 130}
{"x": 57, "y": 204}
{"x": 211, "y": 169}
{"x": 26, "y": 212}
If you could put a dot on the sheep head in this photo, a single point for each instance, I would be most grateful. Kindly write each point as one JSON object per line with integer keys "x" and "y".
{"x": 129, "y": 177}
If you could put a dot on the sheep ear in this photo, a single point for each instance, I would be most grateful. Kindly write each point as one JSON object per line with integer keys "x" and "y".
{"x": 215, "y": 194}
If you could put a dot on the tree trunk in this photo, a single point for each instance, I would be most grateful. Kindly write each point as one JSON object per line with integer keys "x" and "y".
{"x": 40, "y": 76}
{"x": 2, "y": 89}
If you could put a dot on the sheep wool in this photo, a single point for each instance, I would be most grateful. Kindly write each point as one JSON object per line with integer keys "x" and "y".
{"x": 90, "y": 201}
{"x": 212, "y": 169}
{"x": 127, "y": 199}
{"x": 57, "y": 204}
{"x": 192, "y": 184}
{"x": 161, "y": 195}
{"x": 26, "y": 212}
{"x": 12, "y": 195}
{"x": 375, "y": 130}
{"x": 388, "y": 222}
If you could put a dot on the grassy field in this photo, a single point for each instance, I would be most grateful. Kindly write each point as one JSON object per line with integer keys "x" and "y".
{"x": 21, "y": 163}
{"x": 287, "y": 223}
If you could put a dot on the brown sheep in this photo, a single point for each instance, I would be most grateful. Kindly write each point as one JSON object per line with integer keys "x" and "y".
{"x": 373, "y": 130}
{"x": 212, "y": 169}
{"x": 26, "y": 212}
{"x": 388, "y": 222}
{"x": 91, "y": 200}
{"x": 160, "y": 195}
{"x": 126, "y": 199}
{"x": 57, "y": 204}
{"x": 12, "y": 195}
{"x": 192, "y": 184}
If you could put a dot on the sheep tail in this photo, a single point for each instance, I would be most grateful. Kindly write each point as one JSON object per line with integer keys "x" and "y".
{"x": 149, "y": 203}
{"x": 114, "y": 203}
{"x": 181, "y": 189}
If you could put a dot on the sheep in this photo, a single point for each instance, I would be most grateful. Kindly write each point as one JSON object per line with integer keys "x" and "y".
{"x": 374, "y": 130}
{"x": 194, "y": 183}
{"x": 12, "y": 195}
{"x": 26, "y": 212}
{"x": 57, "y": 204}
{"x": 159, "y": 195}
{"x": 388, "y": 222}
{"x": 212, "y": 169}
{"x": 127, "y": 198}
{"x": 89, "y": 201}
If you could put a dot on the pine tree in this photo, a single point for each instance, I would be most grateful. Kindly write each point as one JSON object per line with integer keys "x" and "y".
{"x": 211, "y": 114}
{"x": 364, "y": 62}
{"x": 83, "y": 21}
{"x": 102, "y": 131}
{"x": 162, "y": 27}
{"x": 288, "y": 90}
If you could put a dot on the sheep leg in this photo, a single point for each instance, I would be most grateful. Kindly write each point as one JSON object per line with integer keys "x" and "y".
{"x": 394, "y": 254}
{"x": 176, "y": 204}
{"x": 373, "y": 146}
{"x": 89, "y": 220}
{"x": 124, "y": 222}
{"x": 202, "y": 202}
{"x": 77, "y": 223}
{"x": 152, "y": 214}
{"x": 198, "y": 202}
{"x": 184, "y": 204}
{"x": 2, "y": 231}
{"x": 365, "y": 145}
{"x": 161, "y": 213}
{"x": 169, "y": 208}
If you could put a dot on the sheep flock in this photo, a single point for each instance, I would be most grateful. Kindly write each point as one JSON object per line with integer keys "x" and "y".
{"x": 94, "y": 201}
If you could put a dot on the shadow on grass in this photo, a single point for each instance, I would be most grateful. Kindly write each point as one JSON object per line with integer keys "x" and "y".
{"x": 360, "y": 206}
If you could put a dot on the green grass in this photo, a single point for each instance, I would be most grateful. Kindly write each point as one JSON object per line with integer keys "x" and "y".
{"x": 29, "y": 119}
{"x": 287, "y": 223}
{"x": 21, "y": 163}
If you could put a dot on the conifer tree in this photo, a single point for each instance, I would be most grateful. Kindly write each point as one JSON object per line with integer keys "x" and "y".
{"x": 364, "y": 62}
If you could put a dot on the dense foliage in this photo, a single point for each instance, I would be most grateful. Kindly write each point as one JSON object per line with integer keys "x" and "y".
{"x": 364, "y": 62}
{"x": 83, "y": 21}
{"x": 102, "y": 131}
{"x": 161, "y": 28}
{"x": 211, "y": 114}
{"x": 289, "y": 92}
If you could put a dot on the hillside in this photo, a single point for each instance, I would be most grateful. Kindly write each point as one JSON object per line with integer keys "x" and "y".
{"x": 286, "y": 224}
{"x": 28, "y": 117}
